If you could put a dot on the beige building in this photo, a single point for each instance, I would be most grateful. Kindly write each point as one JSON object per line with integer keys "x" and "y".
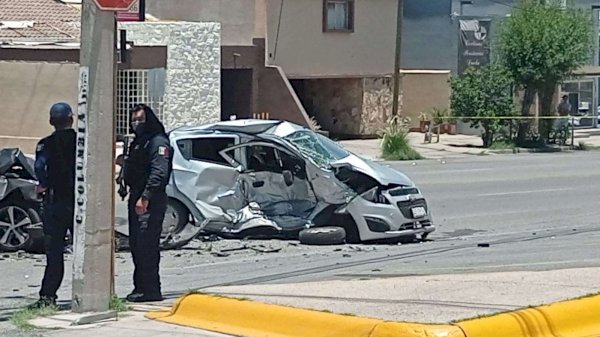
{"x": 331, "y": 60}
{"x": 39, "y": 56}
{"x": 29, "y": 87}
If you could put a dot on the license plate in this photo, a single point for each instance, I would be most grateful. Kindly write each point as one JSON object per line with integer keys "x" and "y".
{"x": 418, "y": 212}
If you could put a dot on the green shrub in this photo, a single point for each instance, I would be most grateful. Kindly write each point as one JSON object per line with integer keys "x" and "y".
{"x": 22, "y": 317}
{"x": 395, "y": 144}
{"x": 502, "y": 145}
{"x": 117, "y": 304}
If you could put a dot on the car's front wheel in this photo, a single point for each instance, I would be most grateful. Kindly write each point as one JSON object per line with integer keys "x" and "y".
{"x": 322, "y": 236}
{"x": 15, "y": 220}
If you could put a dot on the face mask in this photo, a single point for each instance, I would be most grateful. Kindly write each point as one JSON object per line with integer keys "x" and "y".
{"x": 138, "y": 127}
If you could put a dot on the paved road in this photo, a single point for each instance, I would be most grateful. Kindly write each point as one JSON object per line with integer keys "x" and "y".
{"x": 537, "y": 212}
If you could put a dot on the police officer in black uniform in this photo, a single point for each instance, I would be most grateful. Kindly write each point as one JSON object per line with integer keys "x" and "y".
{"x": 55, "y": 170}
{"x": 147, "y": 170}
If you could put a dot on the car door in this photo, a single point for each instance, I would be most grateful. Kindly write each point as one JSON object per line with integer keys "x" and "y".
{"x": 273, "y": 177}
{"x": 202, "y": 175}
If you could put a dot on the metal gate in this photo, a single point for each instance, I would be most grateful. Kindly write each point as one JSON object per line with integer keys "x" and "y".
{"x": 135, "y": 86}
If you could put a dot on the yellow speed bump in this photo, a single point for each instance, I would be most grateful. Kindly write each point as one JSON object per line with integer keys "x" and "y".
{"x": 575, "y": 318}
{"x": 253, "y": 319}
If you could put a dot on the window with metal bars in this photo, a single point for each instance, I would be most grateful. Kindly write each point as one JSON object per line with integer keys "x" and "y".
{"x": 135, "y": 86}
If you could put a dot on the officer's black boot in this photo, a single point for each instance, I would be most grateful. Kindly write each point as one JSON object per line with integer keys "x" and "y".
{"x": 134, "y": 294}
{"x": 43, "y": 302}
{"x": 138, "y": 298}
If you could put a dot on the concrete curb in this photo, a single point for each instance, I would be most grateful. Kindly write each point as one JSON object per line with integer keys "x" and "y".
{"x": 253, "y": 319}
{"x": 518, "y": 150}
{"x": 575, "y": 318}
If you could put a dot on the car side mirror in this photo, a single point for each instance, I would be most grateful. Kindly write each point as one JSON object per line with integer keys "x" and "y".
{"x": 288, "y": 178}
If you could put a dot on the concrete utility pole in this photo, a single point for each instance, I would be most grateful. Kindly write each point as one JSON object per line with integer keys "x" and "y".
{"x": 397, "y": 75}
{"x": 596, "y": 62}
{"x": 94, "y": 209}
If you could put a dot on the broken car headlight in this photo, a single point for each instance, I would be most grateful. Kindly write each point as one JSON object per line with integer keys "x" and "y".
{"x": 374, "y": 195}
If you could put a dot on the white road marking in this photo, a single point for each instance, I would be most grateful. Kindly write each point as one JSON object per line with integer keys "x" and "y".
{"x": 525, "y": 192}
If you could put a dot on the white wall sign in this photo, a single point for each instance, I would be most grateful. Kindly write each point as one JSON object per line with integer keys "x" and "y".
{"x": 80, "y": 173}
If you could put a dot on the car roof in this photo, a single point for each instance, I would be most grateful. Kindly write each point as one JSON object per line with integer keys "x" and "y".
{"x": 247, "y": 126}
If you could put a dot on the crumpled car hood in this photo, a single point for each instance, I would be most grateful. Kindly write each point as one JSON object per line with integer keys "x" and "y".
{"x": 17, "y": 173}
{"x": 382, "y": 174}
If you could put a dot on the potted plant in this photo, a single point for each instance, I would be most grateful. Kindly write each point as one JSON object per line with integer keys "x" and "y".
{"x": 424, "y": 122}
{"x": 443, "y": 118}
{"x": 450, "y": 124}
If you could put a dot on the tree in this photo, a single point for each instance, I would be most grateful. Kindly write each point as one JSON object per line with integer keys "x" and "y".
{"x": 540, "y": 45}
{"x": 482, "y": 94}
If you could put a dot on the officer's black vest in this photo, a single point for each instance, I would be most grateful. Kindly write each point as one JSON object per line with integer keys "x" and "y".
{"x": 61, "y": 147}
{"x": 137, "y": 164}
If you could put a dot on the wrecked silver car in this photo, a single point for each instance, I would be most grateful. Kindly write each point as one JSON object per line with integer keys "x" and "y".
{"x": 263, "y": 178}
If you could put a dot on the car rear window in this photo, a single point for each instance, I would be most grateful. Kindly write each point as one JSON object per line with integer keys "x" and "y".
{"x": 205, "y": 149}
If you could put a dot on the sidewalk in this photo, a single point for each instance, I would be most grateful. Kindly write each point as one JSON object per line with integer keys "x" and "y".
{"x": 129, "y": 324}
{"x": 450, "y": 146}
{"x": 423, "y": 299}
{"x": 428, "y": 299}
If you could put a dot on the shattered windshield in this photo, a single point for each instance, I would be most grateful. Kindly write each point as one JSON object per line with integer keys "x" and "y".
{"x": 322, "y": 150}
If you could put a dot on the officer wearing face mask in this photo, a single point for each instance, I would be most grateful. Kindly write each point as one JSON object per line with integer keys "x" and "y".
{"x": 147, "y": 170}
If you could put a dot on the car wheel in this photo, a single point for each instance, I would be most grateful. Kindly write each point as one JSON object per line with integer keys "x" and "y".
{"x": 15, "y": 219}
{"x": 36, "y": 243}
{"x": 323, "y": 236}
{"x": 176, "y": 218}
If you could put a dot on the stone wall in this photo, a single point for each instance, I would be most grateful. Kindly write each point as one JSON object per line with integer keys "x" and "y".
{"x": 363, "y": 106}
{"x": 193, "y": 82}
{"x": 349, "y": 106}
{"x": 336, "y": 104}
{"x": 377, "y": 105}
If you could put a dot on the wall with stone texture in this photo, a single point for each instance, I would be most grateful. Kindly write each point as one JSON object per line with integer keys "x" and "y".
{"x": 349, "y": 106}
{"x": 193, "y": 81}
{"x": 336, "y": 104}
{"x": 377, "y": 105}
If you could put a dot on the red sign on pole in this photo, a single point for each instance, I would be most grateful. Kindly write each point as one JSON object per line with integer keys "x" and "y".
{"x": 114, "y": 5}
{"x": 134, "y": 13}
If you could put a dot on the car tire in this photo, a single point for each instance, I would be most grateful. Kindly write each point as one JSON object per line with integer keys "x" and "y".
{"x": 36, "y": 243}
{"x": 17, "y": 212}
{"x": 176, "y": 219}
{"x": 323, "y": 236}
